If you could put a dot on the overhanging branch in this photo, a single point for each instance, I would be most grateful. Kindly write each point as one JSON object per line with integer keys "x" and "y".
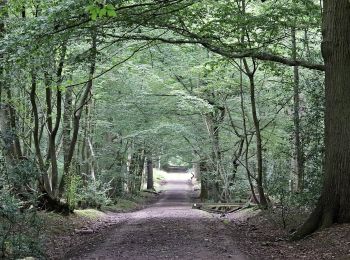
{"x": 226, "y": 52}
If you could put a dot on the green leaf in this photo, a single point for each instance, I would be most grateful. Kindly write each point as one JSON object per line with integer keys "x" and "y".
{"x": 109, "y": 7}
{"x": 94, "y": 16}
{"x": 111, "y": 13}
{"x": 62, "y": 88}
{"x": 102, "y": 12}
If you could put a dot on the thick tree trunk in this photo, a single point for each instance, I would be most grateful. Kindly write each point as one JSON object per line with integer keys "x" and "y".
{"x": 67, "y": 117}
{"x": 196, "y": 170}
{"x": 140, "y": 169}
{"x": 334, "y": 204}
{"x": 136, "y": 167}
{"x": 149, "y": 173}
{"x": 218, "y": 187}
{"x": 204, "y": 181}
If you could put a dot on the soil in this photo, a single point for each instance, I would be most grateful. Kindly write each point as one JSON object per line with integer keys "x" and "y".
{"x": 172, "y": 229}
{"x": 169, "y": 229}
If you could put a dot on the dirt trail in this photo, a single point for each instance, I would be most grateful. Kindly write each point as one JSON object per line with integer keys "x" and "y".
{"x": 169, "y": 229}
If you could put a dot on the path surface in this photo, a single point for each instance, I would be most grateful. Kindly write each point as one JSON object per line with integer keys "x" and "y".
{"x": 169, "y": 229}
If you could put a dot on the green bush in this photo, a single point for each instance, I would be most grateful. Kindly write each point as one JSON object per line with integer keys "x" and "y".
{"x": 19, "y": 225}
{"x": 73, "y": 183}
{"x": 94, "y": 195}
{"x": 19, "y": 228}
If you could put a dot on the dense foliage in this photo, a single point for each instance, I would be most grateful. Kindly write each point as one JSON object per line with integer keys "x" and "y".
{"x": 92, "y": 90}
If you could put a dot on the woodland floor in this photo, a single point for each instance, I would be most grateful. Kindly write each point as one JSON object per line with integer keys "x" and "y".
{"x": 171, "y": 229}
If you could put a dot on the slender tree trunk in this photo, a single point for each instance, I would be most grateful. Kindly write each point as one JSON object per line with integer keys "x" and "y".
{"x": 259, "y": 157}
{"x": 78, "y": 112}
{"x": 51, "y": 161}
{"x": 67, "y": 127}
{"x": 2, "y": 35}
{"x": 53, "y": 126}
{"x": 17, "y": 150}
{"x": 334, "y": 204}
{"x": 44, "y": 183}
{"x": 298, "y": 149}
{"x": 246, "y": 155}
{"x": 5, "y": 134}
{"x": 92, "y": 159}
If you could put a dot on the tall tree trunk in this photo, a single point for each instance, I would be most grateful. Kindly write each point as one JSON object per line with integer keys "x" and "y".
{"x": 17, "y": 151}
{"x": 196, "y": 170}
{"x": 298, "y": 149}
{"x": 44, "y": 180}
{"x": 204, "y": 180}
{"x": 149, "y": 173}
{"x": 2, "y": 35}
{"x": 218, "y": 187}
{"x": 140, "y": 169}
{"x": 78, "y": 112}
{"x": 334, "y": 204}
{"x": 53, "y": 126}
{"x": 92, "y": 159}
{"x": 259, "y": 156}
{"x": 246, "y": 155}
{"x": 6, "y": 134}
{"x": 67, "y": 127}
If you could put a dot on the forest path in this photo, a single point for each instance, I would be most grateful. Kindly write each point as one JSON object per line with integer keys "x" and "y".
{"x": 169, "y": 229}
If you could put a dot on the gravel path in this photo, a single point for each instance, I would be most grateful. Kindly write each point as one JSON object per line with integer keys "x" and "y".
{"x": 169, "y": 229}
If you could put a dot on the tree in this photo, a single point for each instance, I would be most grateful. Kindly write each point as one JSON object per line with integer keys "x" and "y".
{"x": 334, "y": 205}
{"x": 298, "y": 159}
{"x": 84, "y": 118}
{"x": 149, "y": 169}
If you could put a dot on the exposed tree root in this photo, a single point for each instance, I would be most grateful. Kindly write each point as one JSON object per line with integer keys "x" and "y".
{"x": 50, "y": 204}
{"x": 319, "y": 218}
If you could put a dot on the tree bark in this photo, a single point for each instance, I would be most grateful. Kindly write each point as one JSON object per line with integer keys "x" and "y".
{"x": 334, "y": 204}
{"x": 67, "y": 117}
{"x": 53, "y": 125}
{"x": 2, "y": 35}
{"x": 5, "y": 133}
{"x": 204, "y": 180}
{"x": 246, "y": 155}
{"x": 149, "y": 173}
{"x": 78, "y": 112}
{"x": 259, "y": 157}
{"x": 44, "y": 180}
{"x": 298, "y": 149}
{"x": 17, "y": 150}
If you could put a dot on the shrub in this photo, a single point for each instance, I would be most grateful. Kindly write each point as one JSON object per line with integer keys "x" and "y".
{"x": 73, "y": 183}
{"x": 94, "y": 195}
{"x": 19, "y": 228}
{"x": 19, "y": 225}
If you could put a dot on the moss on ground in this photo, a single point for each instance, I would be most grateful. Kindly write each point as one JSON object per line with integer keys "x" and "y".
{"x": 121, "y": 205}
{"x": 130, "y": 203}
